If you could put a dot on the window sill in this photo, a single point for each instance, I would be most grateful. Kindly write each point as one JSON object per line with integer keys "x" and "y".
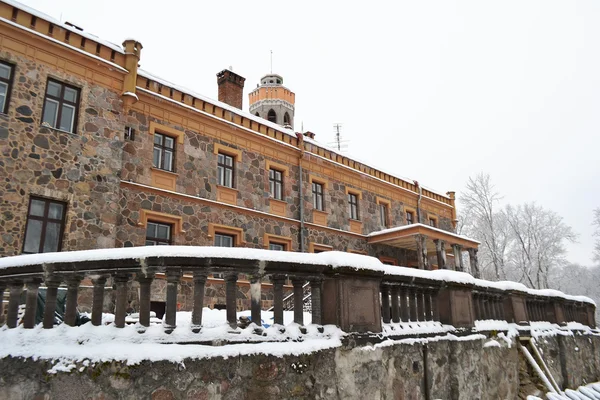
{"x": 58, "y": 130}
{"x": 164, "y": 171}
{"x": 227, "y": 195}
{"x": 355, "y": 226}
{"x": 163, "y": 179}
{"x": 277, "y": 207}
{"x": 319, "y": 217}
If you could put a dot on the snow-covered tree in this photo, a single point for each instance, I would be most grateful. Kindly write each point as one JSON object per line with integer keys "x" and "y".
{"x": 538, "y": 247}
{"x": 482, "y": 219}
{"x": 596, "y": 223}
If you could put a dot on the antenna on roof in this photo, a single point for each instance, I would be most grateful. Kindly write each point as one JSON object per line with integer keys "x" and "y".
{"x": 271, "y": 61}
{"x": 339, "y": 143}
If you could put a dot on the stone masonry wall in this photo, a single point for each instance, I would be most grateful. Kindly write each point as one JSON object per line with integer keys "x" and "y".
{"x": 440, "y": 370}
{"x": 81, "y": 169}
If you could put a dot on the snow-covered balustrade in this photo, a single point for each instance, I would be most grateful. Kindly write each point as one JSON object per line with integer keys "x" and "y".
{"x": 354, "y": 292}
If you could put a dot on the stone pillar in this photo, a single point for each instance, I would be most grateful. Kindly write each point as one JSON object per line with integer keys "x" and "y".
{"x": 16, "y": 288}
{"x": 443, "y": 246}
{"x": 231, "y": 298}
{"x": 2, "y": 289}
{"x": 255, "y": 298}
{"x": 404, "y": 314}
{"x": 474, "y": 263}
{"x": 52, "y": 283}
{"x": 395, "y": 307}
{"x": 98, "y": 300}
{"x": 385, "y": 303}
{"x": 412, "y": 304}
{"x": 316, "y": 288}
{"x": 422, "y": 251}
{"x": 173, "y": 278}
{"x": 441, "y": 254}
{"x": 121, "y": 299}
{"x": 145, "y": 281}
{"x": 515, "y": 307}
{"x": 33, "y": 285}
{"x": 458, "y": 265}
{"x": 278, "y": 281}
{"x": 420, "y": 305}
{"x": 298, "y": 301}
{"x": 434, "y": 305}
{"x": 455, "y": 302}
{"x": 199, "y": 284}
{"x": 73, "y": 283}
{"x": 428, "y": 312}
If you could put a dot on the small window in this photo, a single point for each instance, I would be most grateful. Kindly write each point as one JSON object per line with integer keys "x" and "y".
{"x": 353, "y": 205}
{"x": 383, "y": 215}
{"x": 158, "y": 234}
{"x": 276, "y": 184}
{"x": 432, "y": 222}
{"x": 45, "y": 226}
{"x": 272, "y": 116}
{"x": 164, "y": 152}
{"x": 277, "y": 246}
{"x": 61, "y": 106}
{"x": 225, "y": 170}
{"x": 222, "y": 240}
{"x": 409, "y": 217}
{"x": 6, "y": 78}
{"x": 286, "y": 119}
{"x": 317, "y": 191}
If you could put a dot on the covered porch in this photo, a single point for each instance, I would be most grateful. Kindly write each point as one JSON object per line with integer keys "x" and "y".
{"x": 432, "y": 246}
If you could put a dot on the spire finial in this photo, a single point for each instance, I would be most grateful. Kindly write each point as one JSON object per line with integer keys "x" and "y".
{"x": 271, "y": 61}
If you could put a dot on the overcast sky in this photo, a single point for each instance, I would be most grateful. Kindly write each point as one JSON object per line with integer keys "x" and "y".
{"x": 432, "y": 90}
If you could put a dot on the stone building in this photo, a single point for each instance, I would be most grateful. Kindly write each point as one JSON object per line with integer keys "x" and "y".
{"x": 98, "y": 153}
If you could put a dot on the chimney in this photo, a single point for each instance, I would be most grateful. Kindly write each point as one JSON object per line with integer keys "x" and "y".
{"x": 231, "y": 88}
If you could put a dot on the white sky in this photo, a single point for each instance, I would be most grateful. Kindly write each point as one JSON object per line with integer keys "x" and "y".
{"x": 432, "y": 90}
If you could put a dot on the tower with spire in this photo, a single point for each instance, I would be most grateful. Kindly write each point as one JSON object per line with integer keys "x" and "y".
{"x": 273, "y": 101}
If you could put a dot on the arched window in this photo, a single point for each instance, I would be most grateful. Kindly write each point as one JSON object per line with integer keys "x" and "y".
{"x": 286, "y": 119}
{"x": 257, "y": 114}
{"x": 271, "y": 116}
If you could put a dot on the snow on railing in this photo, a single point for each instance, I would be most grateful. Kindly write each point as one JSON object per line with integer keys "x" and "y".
{"x": 355, "y": 292}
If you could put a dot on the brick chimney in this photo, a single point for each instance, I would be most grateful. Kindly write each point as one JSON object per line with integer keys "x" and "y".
{"x": 231, "y": 88}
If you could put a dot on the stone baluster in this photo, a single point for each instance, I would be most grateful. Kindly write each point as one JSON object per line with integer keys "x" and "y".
{"x": 440, "y": 252}
{"x": 404, "y": 306}
{"x": 199, "y": 284}
{"x": 121, "y": 299}
{"x": 316, "y": 285}
{"x": 500, "y": 308}
{"x": 420, "y": 305}
{"x": 395, "y": 305}
{"x": 145, "y": 281}
{"x": 298, "y": 300}
{"x": 2, "y": 289}
{"x": 98, "y": 299}
{"x": 33, "y": 285}
{"x": 278, "y": 281}
{"x": 231, "y": 298}
{"x": 474, "y": 263}
{"x": 52, "y": 284}
{"x": 458, "y": 264}
{"x": 255, "y": 299}
{"x": 428, "y": 311}
{"x": 385, "y": 303}
{"x": 476, "y": 298}
{"x": 173, "y": 280}
{"x": 16, "y": 288}
{"x": 73, "y": 283}
{"x": 412, "y": 304}
{"x": 434, "y": 305}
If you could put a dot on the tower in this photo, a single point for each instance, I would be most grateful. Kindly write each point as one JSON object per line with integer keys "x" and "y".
{"x": 273, "y": 101}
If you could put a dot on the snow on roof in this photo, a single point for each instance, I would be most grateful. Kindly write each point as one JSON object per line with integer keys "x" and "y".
{"x": 63, "y": 25}
{"x": 406, "y": 227}
{"x": 334, "y": 259}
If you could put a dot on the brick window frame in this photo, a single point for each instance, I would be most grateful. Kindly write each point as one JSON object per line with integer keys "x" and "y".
{"x": 163, "y": 148}
{"x": 222, "y": 152}
{"x": 433, "y": 222}
{"x": 353, "y": 198}
{"x": 157, "y": 240}
{"x": 45, "y": 220}
{"x": 318, "y": 248}
{"x": 384, "y": 212}
{"x": 284, "y": 241}
{"x": 62, "y": 103}
{"x": 7, "y": 82}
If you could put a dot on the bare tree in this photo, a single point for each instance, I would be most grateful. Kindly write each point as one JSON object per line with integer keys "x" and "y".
{"x": 596, "y": 223}
{"x": 539, "y": 243}
{"x": 482, "y": 219}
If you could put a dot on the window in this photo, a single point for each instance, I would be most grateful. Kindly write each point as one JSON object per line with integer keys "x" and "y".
{"x": 61, "y": 106}
{"x": 225, "y": 170}
{"x": 222, "y": 240}
{"x": 277, "y": 246}
{"x": 317, "y": 190}
{"x": 276, "y": 183}
{"x": 6, "y": 77}
{"x": 432, "y": 222}
{"x": 271, "y": 116}
{"x": 164, "y": 152}
{"x": 45, "y": 225}
{"x": 409, "y": 217}
{"x": 286, "y": 119}
{"x": 158, "y": 234}
{"x": 353, "y": 204}
{"x": 383, "y": 214}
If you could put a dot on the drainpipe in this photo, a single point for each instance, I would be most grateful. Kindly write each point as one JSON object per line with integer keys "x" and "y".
{"x": 425, "y": 375}
{"x": 419, "y": 201}
{"x": 300, "y": 137}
